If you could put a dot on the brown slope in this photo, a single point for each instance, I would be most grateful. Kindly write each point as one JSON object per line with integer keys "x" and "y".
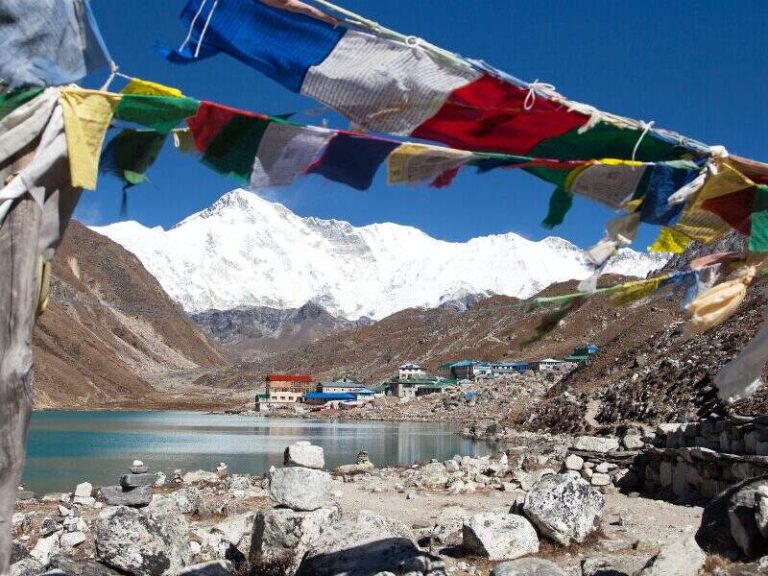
{"x": 110, "y": 329}
{"x": 497, "y": 328}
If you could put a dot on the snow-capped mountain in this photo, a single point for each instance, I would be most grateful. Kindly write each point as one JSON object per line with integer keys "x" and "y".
{"x": 245, "y": 250}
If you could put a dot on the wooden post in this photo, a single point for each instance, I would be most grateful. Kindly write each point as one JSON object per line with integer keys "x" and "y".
{"x": 20, "y": 245}
{"x": 18, "y": 299}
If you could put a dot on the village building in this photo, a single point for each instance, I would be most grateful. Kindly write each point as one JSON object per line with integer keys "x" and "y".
{"x": 339, "y": 399}
{"x": 341, "y": 385}
{"x": 550, "y": 365}
{"x": 508, "y": 368}
{"x": 411, "y": 370}
{"x": 415, "y": 387}
{"x": 287, "y": 388}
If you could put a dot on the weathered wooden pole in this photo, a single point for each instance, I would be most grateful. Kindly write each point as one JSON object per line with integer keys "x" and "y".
{"x": 28, "y": 232}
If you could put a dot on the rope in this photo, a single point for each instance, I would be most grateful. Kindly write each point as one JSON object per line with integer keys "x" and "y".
{"x": 192, "y": 25}
{"x": 646, "y": 129}
{"x": 113, "y": 68}
{"x": 530, "y": 98}
{"x": 205, "y": 28}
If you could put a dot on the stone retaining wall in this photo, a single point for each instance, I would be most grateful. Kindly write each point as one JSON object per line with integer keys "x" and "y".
{"x": 695, "y": 472}
{"x": 732, "y": 435}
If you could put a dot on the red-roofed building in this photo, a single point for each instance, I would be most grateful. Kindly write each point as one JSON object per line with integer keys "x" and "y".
{"x": 287, "y": 388}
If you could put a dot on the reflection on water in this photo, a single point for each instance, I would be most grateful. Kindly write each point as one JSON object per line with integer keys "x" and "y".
{"x": 66, "y": 448}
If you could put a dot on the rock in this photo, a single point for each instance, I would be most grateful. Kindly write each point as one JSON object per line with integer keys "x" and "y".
{"x": 81, "y": 567}
{"x": 116, "y": 496}
{"x": 434, "y": 475}
{"x": 596, "y": 444}
{"x": 48, "y": 526}
{"x": 236, "y": 529}
{"x": 499, "y": 536}
{"x": 633, "y": 442}
{"x": 300, "y": 488}
{"x": 173, "y": 527}
{"x": 222, "y": 470}
{"x": 128, "y": 541}
{"x": 72, "y": 539}
{"x": 214, "y": 568}
{"x": 599, "y": 479}
{"x": 367, "y": 544}
{"x": 527, "y": 567}
{"x": 351, "y": 469}
{"x": 564, "y": 508}
{"x": 26, "y": 567}
{"x": 137, "y": 480}
{"x": 282, "y": 533}
{"x": 138, "y": 467}
{"x": 574, "y": 462}
{"x": 45, "y": 548}
{"x": 680, "y": 558}
{"x": 449, "y": 526}
{"x": 729, "y": 524}
{"x": 201, "y": 476}
{"x": 613, "y": 565}
{"x": 83, "y": 494}
{"x": 304, "y": 455}
{"x": 603, "y": 468}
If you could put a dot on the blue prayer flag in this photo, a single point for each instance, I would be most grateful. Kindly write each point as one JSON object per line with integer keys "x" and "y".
{"x": 353, "y": 160}
{"x": 283, "y": 45}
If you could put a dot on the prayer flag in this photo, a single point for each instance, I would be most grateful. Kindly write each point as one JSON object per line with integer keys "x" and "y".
{"x": 160, "y": 113}
{"x": 411, "y": 163}
{"x": 130, "y": 154}
{"x": 758, "y": 233}
{"x": 147, "y": 88}
{"x": 670, "y": 240}
{"x": 353, "y": 159}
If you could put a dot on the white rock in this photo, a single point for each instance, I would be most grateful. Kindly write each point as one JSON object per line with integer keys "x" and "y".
{"x": 83, "y": 491}
{"x": 300, "y": 488}
{"x": 45, "y": 548}
{"x": 574, "y": 462}
{"x": 596, "y": 443}
{"x": 633, "y": 442}
{"x": 499, "y": 536}
{"x": 304, "y": 454}
{"x": 564, "y": 508}
{"x": 602, "y": 468}
{"x": 200, "y": 476}
{"x": 449, "y": 524}
{"x": 600, "y": 479}
{"x": 527, "y": 567}
{"x": 72, "y": 539}
{"x": 680, "y": 558}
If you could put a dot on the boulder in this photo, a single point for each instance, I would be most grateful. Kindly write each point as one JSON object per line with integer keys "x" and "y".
{"x": 136, "y": 480}
{"x": 300, "y": 488}
{"x": 214, "y": 568}
{"x": 72, "y": 539}
{"x": 600, "y": 479}
{"x": 613, "y": 565}
{"x": 45, "y": 548}
{"x": 282, "y": 533}
{"x": 367, "y": 544}
{"x": 236, "y": 529}
{"x": 596, "y": 443}
{"x": 448, "y": 530}
{"x": 434, "y": 475}
{"x": 679, "y": 558}
{"x": 633, "y": 442}
{"x": 564, "y": 508}
{"x": 527, "y": 567}
{"x": 499, "y": 536}
{"x": 173, "y": 527}
{"x": 730, "y": 523}
{"x": 81, "y": 567}
{"x": 574, "y": 462}
{"x": 117, "y": 496}
{"x": 130, "y": 542}
{"x": 350, "y": 469}
{"x": 83, "y": 494}
{"x": 305, "y": 455}
{"x": 26, "y": 567}
{"x": 201, "y": 476}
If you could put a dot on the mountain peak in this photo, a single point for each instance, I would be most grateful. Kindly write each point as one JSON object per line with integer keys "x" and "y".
{"x": 245, "y": 250}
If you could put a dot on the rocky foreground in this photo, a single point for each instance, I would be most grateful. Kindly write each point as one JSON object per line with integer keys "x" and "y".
{"x": 540, "y": 510}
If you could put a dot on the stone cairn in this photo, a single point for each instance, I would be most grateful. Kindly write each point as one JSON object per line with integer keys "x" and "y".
{"x": 134, "y": 489}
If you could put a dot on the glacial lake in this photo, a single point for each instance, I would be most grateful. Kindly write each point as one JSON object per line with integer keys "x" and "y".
{"x": 66, "y": 447}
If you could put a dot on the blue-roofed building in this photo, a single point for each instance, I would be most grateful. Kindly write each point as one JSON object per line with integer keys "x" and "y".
{"x": 507, "y": 368}
{"x": 321, "y": 398}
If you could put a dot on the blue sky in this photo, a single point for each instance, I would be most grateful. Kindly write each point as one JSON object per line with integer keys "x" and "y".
{"x": 697, "y": 68}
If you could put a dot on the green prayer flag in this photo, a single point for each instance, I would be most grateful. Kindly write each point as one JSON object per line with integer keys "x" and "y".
{"x": 160, "y": 113}
{"x": 559, "y": 204}
{"x": 131, "y": 153}
{"x": 234, "y": 148}
{"x": 758, "y": 234}
{"x": 12, "y": 100}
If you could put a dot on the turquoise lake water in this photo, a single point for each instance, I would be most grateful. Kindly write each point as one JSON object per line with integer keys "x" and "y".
{"x": 66, "y": 448}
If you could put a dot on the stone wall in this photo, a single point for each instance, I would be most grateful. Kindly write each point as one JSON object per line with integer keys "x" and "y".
{"x": 701, "y": 459}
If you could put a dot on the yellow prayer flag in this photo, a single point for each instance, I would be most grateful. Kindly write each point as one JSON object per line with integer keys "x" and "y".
{"x": 87, "y": 114}
{"x": 701, "y": 225}
{"x": 670, "y": 240}
{"x": 632, "y": 291}
{"x": 147, "y": 88}
{"x": 409, "y": 163}
{"x": 727, "y": 181}
{"x": 717, "y": 304}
